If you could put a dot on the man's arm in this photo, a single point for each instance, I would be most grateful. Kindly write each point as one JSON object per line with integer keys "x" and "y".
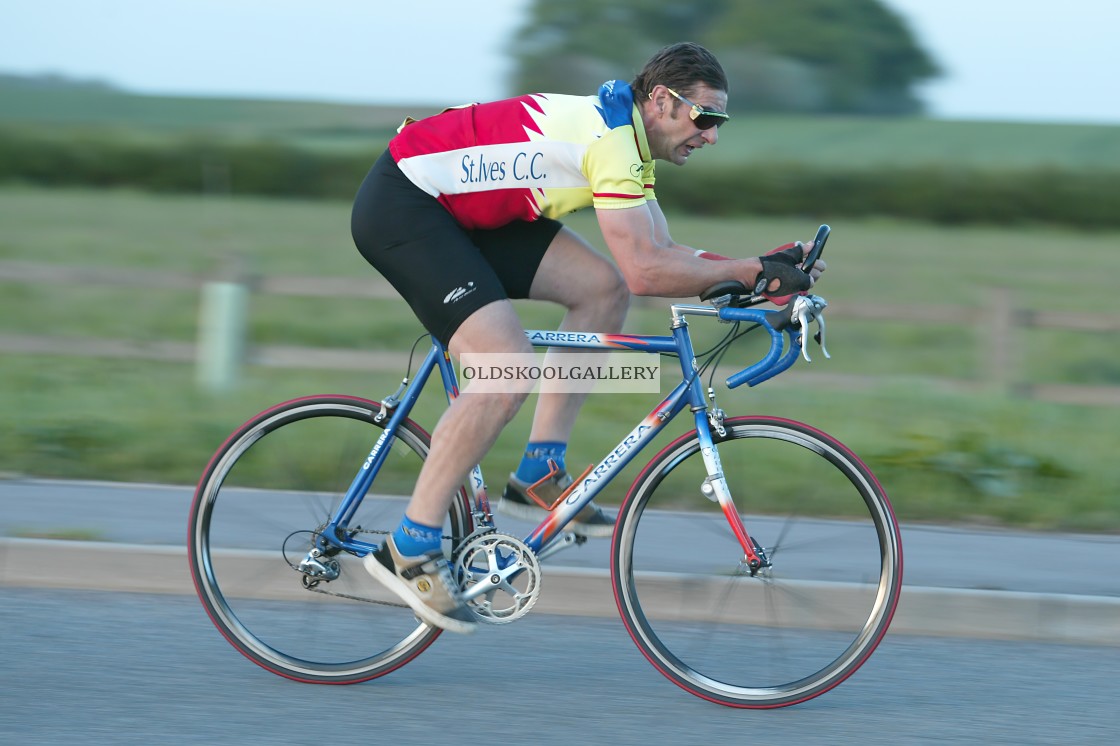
{"x": 661, "y": 234}
{"x": 653, "y": 264}
{"x": 661, "y": 227}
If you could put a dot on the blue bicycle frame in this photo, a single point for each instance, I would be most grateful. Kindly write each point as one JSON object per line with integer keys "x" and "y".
{"x": 688, "y": 392}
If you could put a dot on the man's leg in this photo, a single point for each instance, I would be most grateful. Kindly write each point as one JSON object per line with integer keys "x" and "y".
{"x": 411, "y": 562}
{"x": 574, "y": 275}
{"x": 431, "y": 260}
{"x": 590, "y": 286}
{"x": 473, "y": 421}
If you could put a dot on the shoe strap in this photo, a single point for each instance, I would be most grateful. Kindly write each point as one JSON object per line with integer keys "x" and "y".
{"x": 429, "y": 566}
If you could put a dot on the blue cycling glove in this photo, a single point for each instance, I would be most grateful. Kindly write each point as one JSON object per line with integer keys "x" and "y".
{"x": 616, "y": 103}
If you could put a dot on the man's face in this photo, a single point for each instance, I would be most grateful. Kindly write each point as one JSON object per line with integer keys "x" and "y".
{"x": 673, "y": 135}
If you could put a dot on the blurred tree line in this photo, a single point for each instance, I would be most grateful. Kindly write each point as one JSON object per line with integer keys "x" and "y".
{"x": 821, "y": 56}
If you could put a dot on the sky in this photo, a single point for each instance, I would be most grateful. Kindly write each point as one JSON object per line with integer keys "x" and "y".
{"x": 1013, "y": 60}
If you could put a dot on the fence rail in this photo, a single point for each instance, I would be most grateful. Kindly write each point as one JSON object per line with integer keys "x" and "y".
{"x": 998, "y": 325}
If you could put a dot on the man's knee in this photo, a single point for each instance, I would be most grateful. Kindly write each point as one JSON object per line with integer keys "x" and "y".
{"x": 604, "y": 291}
{"x": 615, "y": 291}
{"x": 503, "y": 405}
{"x": 601, "y": 283}
{"x": 492, "y": 328}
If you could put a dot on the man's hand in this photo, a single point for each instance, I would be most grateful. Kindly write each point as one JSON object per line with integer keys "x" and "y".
{"x": 781, "y": 276}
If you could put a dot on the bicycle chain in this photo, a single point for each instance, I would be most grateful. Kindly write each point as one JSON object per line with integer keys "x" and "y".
{"x": 349, "y": 597}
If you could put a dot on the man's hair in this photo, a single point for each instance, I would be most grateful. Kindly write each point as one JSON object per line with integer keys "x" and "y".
{"x": 680, "y": 67}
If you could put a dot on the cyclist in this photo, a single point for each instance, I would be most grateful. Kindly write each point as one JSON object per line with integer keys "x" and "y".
{"x": 460, "y": 215}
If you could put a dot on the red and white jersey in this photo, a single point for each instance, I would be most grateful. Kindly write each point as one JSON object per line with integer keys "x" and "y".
{"x": 521, "y": 158}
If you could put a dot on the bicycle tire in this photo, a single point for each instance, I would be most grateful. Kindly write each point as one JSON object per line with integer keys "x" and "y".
{"x": 274, "y": 482}
{"x": 798, "y": 628}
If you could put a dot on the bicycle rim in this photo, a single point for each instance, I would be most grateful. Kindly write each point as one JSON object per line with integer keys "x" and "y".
{"x": 257, "y": 508}
{"x": 797, "y": 628}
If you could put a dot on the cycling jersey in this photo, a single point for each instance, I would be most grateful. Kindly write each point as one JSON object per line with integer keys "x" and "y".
{"x": 521, "y": 158}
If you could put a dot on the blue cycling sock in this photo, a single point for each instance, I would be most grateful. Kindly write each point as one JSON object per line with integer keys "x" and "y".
{"x": 413, "y": 539}
{"x": 534, "y": 465}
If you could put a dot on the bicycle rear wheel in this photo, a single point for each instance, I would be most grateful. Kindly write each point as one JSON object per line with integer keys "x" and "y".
{"x": 268, "y": 490}
{"x": 800, "y": 626}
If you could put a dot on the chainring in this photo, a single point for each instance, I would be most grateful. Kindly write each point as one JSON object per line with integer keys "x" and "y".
{"x": 500, "y": 577}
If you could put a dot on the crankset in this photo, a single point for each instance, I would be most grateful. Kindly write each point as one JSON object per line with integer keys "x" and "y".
{"x": 500, "y": 577}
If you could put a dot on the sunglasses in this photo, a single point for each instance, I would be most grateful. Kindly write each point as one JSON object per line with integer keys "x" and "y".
{"x": 703, "y": 118}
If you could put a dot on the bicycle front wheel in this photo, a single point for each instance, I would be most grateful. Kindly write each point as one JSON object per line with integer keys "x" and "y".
{"x": 800, "y": 625}
{"x": 261, "y": 503}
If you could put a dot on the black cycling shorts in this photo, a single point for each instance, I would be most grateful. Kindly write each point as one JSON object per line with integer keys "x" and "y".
{"x": 444, "y": 271}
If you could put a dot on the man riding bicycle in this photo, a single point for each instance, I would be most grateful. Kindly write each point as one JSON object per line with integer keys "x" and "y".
{"x": 460, "y": 215}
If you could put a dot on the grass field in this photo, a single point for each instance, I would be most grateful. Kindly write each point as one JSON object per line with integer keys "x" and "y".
{"x": 943, "y": 456}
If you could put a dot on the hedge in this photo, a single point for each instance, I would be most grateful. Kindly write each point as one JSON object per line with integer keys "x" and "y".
{"x": 944, "y": 194}
{"x": 191, "y": 165}
{"x": 937, "y": 194}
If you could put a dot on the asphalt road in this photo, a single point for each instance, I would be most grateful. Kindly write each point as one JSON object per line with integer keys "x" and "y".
{"x": 971, "y": 582}
{"x": 935, "y": 557}
{"x": 96, "y": 667}
{"x": 101, "y": 666}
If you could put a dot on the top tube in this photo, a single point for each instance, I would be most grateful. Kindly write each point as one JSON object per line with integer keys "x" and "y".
{"x": 601, "y": 341}
{"x": 777, "y": 360}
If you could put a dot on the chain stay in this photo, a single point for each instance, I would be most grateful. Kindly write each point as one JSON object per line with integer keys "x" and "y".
{"x": 313, "y": 587}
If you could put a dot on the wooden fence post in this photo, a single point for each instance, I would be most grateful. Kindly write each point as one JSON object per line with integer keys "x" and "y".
{"x": 222, "y": 329}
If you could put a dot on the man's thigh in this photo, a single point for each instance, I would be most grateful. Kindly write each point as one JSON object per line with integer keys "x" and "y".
{"x": 572, "y": 272}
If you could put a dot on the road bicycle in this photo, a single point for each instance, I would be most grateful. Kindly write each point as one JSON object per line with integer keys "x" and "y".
{"x": 756, "y": 561}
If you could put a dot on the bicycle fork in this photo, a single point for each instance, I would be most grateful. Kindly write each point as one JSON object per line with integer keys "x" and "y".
{"x": 715, "y": 488}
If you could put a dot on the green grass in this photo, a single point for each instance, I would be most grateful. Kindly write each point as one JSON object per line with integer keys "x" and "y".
{"x": 881, "y": 260}
{"x": 943, "y": 456}
{"x": 68, "y": 107}
{"x": 59, "y": 534}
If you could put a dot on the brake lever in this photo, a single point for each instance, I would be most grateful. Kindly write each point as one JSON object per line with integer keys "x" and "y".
{"x": 819, "y": 336}
{"x": 806, "y": 309}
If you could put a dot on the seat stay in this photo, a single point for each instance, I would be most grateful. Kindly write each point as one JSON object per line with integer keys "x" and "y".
{"x": 360, "y": 485}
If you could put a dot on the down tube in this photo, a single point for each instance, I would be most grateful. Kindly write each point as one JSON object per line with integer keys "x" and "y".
{"x": 607, "y": 469}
